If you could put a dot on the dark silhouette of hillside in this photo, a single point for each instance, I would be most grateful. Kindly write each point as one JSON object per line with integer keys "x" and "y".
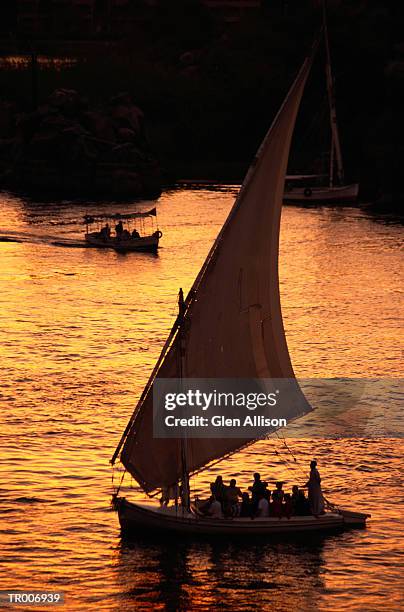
{"x": 209, "y": 88}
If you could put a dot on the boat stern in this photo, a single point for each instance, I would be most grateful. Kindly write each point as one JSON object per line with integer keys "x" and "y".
{"x": 354, "y": 519}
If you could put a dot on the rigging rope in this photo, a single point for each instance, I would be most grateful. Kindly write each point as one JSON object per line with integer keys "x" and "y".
{"x": 329, "y": 504}
{"x": 120, "y": 482}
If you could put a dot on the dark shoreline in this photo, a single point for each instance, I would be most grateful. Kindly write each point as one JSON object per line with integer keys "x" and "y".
{"x": 210, "y": 93}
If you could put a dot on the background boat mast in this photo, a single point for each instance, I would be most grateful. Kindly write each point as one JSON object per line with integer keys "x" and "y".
{"x": 335, "y": 143}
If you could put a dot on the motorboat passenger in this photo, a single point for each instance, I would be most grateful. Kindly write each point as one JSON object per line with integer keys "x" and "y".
{"x": 119, "y": 230}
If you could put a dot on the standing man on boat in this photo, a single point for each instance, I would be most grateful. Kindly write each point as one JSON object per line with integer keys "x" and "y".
{"x": 316, "y": 498}
{"x": 257, "y": 489}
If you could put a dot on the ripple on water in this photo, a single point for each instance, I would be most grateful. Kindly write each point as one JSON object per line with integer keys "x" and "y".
{"x": 80, "y": 334}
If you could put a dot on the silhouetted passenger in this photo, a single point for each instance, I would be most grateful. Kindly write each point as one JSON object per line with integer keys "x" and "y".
{"x": 278, "y": 493}
{"x": 119, "y": 230}
{"x": 257, "y": 489}
{"x": 263, "y": 506}
{"x": 105, "y": 232}
{"x": 287, "y": 506}
{"x": 204, "y": 506}
{"x": 316, "y": 498}
{"x": 135, "y": 233}
{"x": 276, "y": 506}
{"x": 215, "y": 508}
{"x": 125, "y": 234}
{"x": 301, "y": 506}
{"x": 218, "y": 489}
{"x": 245, "y": 507}
{"x": 295, "y": 497}
{"x": 231, "y": 497}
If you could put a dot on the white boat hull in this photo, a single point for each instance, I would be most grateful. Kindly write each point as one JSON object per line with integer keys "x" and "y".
{"x": 318, "y": 195}
{"x": 146, "y": 243}
{"x": 140, "y": 518}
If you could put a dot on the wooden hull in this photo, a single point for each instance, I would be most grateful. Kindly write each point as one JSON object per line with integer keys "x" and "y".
{"x": 319, "y": 195}
{"x": 140, "y": 518}
{"x": 147, "y": 244}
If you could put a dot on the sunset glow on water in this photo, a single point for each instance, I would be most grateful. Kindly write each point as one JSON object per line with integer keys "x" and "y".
{"x": 80, "y": 333}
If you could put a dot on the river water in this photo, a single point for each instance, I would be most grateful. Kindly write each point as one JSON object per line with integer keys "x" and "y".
{"x": 80, "y": 332}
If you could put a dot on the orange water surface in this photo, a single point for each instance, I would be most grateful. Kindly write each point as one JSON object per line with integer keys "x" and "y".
{"x": 80, "y": 332}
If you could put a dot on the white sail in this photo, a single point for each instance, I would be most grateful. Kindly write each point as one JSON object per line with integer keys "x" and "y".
{"x": 232, "y": 325}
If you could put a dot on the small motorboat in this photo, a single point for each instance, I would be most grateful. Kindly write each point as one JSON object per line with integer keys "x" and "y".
{"x": 133, "y": 232}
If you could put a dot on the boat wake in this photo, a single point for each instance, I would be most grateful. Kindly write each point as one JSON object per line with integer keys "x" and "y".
{"x": 24, "y": 237}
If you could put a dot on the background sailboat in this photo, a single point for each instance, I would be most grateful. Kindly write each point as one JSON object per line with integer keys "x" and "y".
{"x": 229, "y": 326}
{"x": 310, "y": 187}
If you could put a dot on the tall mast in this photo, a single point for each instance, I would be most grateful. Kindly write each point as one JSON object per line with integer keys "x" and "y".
{"x": 243, "y": 274}
{"x": 332, "y": 162}
{"x": 185, "y": 494}
{"x": 335, "y": 143}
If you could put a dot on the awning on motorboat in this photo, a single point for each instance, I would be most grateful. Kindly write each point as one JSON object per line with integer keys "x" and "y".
{"x": 116, "y": 216}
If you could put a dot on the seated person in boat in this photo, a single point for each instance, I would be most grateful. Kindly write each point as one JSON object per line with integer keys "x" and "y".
{"x": 105, "y": 232}
{"x": 125, "y": 235}
{"x": 263, "y": 506}
{"x": 215, "y": 508}
{"x": 218, "y": 489}
{"x": 287, "y": 506}
{"x": 135, "y": 234}
{"x": 231, "y": 497}
{"x": 257, "y": 489}
{"x": 295, "y": 497}
{"x": 245, "y": 506}
{"x": 278, "y": 493}
{"x": 119, "y": 230}
{"x": 276, "y": 505}
{"x": 301, "y": 506}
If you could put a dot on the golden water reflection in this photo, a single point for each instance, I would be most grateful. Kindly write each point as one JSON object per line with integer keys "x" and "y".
{"x": 80, "y": 331}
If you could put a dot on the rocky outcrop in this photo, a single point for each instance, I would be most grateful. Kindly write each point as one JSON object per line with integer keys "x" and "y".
{"x": 68, "y": 147}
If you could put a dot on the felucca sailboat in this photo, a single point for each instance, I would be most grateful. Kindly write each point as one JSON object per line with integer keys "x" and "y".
{"x": 228, "y": 327}
{"x": 308, "y": 188}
